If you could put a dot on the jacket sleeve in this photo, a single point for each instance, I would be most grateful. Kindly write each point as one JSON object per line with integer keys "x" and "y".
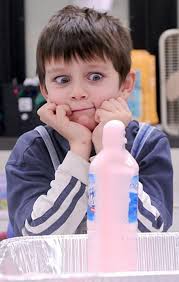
{"x": 155, "y": 195}
{"x": 38, "y": 206}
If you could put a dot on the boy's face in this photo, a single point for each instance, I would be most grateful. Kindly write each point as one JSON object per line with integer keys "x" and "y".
{"x": 82, "y": 85}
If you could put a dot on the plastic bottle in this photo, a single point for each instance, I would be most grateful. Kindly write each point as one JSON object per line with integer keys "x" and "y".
{"x": 112, "y": 205}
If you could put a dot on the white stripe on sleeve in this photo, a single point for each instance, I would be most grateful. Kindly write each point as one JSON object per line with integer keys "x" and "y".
{"x": 146, "y": 201}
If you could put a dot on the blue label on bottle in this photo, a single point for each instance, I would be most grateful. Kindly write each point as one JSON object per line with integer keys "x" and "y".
{"x": 133, "y": 199}
{"x": 91, "y": 197}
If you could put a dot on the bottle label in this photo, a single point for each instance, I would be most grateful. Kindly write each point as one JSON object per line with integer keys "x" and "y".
{"x": 133, "y": 199}
{"x": 91, "y": 197}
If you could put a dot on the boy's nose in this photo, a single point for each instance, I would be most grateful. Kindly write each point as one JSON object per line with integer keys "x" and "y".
{"x": 78, "y": 94}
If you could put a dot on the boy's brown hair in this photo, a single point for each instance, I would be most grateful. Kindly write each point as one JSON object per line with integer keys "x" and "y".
{"x": 85, "y": 33}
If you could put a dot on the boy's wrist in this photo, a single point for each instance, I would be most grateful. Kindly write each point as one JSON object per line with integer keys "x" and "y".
{"x": 82, "y": 149}
{"x": 75, "y": 166}
{"x": 97, "y": 148}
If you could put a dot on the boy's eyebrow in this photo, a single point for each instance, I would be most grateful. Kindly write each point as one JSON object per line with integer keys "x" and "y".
{"x": 54, "y": 70}
{"x": 98, "y": 65}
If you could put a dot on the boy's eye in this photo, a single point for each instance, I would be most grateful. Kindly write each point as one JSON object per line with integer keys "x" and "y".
{"x": 95, "y": 76}
{"x": 62, "y": 79}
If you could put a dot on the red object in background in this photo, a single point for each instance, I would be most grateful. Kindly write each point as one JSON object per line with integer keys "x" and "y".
{"x": 3, "y": 235}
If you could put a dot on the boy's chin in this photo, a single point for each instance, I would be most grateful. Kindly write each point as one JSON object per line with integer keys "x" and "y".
{"x": 91, "y": 126}
{"x": 89, "y": 123}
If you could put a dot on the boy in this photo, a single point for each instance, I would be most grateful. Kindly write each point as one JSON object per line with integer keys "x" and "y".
{"x": 83, "y": 64}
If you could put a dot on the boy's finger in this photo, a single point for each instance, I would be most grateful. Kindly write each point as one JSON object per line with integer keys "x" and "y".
{"x": 65, "y": 109}
{"x": 47, "y": 116}
{"x": 63, "y": 113}
{"x": 41, "y": 109}
{"x": 51, "y": 106}
{"x": 117, "y": 105}
{"x": 108, "y": 106}
{"x": 102, "y": 115}
{"x": 96, "y": 117}
{"x": 123, "y": 103}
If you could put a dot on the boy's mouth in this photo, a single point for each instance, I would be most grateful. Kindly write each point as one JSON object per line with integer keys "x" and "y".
{"x": 83, "y": 109}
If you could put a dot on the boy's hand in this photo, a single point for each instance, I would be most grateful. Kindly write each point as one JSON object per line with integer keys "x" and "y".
{"x": 112, "y": 109}
{"x": 78, "y": 136}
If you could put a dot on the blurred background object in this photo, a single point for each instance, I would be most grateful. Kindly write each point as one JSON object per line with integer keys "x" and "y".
{"x": 100, "y": 5}
{"x": 144, "y": 64}
{"x": 169, "y": 80}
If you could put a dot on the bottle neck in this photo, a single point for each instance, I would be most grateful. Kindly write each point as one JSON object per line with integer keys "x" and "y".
{"x": 114, "y": 135}
{"x": 117, "y": 143}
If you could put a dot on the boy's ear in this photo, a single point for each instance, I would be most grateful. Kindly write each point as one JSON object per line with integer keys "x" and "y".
{"x": 43, "y": 91}
{"x": 128, "y": 85}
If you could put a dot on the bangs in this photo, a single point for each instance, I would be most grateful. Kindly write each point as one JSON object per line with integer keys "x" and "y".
{"x": 69, "y": 47}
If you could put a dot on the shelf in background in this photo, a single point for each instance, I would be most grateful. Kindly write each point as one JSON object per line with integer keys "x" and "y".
{"x": 3, "y": 220}
{"x": 7, "y": 143}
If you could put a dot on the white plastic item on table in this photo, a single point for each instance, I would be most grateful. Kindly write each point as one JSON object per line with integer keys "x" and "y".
{"x": 64, "y": 258}
{"x": 100, "y": 277}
